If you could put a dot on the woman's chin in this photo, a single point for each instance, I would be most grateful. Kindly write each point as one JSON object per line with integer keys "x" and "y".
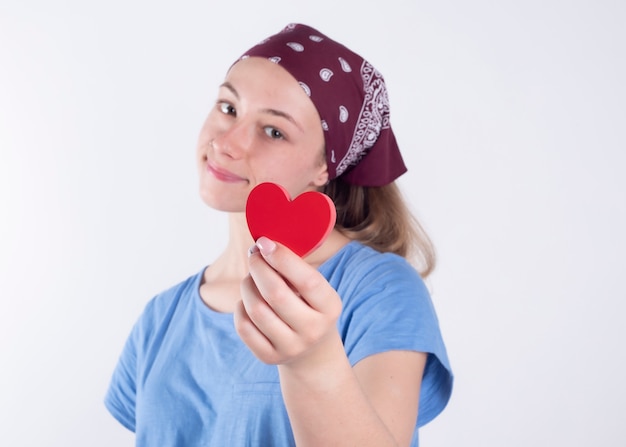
{"x": 222, "y": 203}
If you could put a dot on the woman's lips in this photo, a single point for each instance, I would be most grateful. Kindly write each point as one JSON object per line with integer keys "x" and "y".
{"x": 223, "y": 174}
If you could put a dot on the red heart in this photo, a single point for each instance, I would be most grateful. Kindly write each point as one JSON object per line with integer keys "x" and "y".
{"x": 301, "y": 224}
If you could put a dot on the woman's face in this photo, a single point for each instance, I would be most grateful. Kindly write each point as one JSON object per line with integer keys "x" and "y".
{"x": 263, "y": 128}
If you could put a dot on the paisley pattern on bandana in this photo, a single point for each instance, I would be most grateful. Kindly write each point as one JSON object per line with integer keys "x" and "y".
{"x": 373, "y": 118}
{"x": 353, "y": 103}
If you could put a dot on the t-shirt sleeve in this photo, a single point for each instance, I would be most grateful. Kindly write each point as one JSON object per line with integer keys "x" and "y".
{"x": 121, "y": 396}
{"x": 387, "y": 308}
{"x": 138, "y": 353}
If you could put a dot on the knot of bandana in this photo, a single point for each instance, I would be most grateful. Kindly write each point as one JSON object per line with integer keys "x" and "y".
{"x": 351, "y": 98}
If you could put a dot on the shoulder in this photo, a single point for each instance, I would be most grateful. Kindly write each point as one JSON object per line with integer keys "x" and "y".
{"x": 165, "y": 304}
{"x": 381, "y": 293}
{"x": 187, "y": 287}
{"x": 385, "y": 303}
{"x": 358, "y": 267}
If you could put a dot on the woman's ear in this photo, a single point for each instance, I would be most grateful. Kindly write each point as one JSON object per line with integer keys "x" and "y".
{"x": 321, "y": 178}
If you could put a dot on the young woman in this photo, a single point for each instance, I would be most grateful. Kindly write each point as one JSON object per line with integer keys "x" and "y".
{"x": 262, "y": 347}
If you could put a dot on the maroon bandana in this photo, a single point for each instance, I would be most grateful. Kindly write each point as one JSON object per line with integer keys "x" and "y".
{"x": 351, "y": 98}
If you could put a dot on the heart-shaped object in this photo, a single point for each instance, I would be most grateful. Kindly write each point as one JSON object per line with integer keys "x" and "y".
{"x": 301, "y": 224}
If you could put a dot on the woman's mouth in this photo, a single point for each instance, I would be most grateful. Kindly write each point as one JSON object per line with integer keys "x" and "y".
{"x": 222, "y": 174}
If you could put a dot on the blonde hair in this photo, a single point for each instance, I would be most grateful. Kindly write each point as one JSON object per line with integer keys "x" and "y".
{"x": 380, "y": 218}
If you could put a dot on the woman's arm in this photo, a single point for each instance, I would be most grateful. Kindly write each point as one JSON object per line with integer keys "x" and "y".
{"x": 373, "y": 404}
{"x": 288, "y": 317}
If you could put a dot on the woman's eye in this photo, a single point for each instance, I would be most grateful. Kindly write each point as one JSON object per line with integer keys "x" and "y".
{"x": 227, "y": 109}
{"x": 273, "y": 133}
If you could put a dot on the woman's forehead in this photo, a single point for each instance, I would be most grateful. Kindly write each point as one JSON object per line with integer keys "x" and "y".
{"x": 350, "y": 97}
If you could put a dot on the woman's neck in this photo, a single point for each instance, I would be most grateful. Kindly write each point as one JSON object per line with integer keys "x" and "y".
{"x": 232, "y": 263}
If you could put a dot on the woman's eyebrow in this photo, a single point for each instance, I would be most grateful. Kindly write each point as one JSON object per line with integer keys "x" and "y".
{"x": 282, "y": 115}
{"x": 230, "y": 87}
{"x": 274, "y": 112}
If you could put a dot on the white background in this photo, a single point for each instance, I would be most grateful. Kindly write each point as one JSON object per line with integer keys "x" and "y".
{"x": 512, "y": 119}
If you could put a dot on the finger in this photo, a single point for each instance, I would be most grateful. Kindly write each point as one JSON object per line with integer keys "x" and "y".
{"x": 260, "y": 313}
{"x": 304, "y": 278}
{"x": 282, "y": 297}
{"x": 254, "y": 338}
{"x": 249, "y": 333}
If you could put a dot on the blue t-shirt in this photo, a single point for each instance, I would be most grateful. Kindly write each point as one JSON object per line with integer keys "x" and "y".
{"x": 186, "y": 379}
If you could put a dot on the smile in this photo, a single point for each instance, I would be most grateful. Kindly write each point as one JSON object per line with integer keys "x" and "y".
{"x": 222, "y": 174}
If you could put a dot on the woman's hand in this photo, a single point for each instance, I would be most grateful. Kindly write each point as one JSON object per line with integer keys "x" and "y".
{"x": 288, "y": 309}
{"x": 288, "y": 317}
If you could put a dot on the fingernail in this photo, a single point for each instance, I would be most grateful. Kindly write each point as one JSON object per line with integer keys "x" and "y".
{"x": 252, "y": 250}
{"x": 266, "y": 246}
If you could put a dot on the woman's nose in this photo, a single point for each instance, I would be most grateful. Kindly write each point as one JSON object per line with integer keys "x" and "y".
{"x": 235, "y": 141}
